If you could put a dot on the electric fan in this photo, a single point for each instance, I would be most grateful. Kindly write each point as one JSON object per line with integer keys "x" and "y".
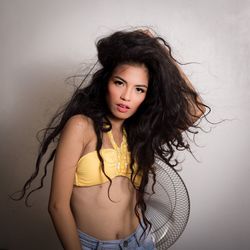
{"x": 168, "y": 207}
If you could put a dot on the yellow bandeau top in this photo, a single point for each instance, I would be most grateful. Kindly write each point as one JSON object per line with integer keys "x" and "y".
{"x": 116, "y": 163}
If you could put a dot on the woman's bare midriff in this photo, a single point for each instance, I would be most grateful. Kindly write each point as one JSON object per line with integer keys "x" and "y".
{"x": 96, "y": 215}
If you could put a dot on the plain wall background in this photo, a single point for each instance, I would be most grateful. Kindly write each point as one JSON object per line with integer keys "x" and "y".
{"x": 43, "y": 42}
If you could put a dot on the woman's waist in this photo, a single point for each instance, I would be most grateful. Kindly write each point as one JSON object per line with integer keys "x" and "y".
{"x": 98, "y": 214}
{"x": 104, "y": 211}
{"x": 107, "y": 225}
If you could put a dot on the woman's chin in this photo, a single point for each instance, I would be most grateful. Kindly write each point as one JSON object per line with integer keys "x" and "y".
{"x": 119, "y": 116}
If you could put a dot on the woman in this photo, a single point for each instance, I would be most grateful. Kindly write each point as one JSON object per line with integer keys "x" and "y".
{"x": 135, "y": 107}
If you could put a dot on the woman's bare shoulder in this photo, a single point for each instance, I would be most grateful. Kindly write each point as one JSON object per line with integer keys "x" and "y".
{"x": 81, "y": 120}
{"x": 81, "y": 126}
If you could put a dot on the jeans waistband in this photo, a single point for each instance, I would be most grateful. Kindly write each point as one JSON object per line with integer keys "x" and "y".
{"x": 95, "y": 243}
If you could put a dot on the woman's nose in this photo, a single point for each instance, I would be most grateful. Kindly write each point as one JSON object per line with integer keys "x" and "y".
{"x": 126, "y": 95}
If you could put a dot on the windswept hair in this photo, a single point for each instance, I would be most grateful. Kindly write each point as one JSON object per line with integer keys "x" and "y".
{"x": 155, "y": 130}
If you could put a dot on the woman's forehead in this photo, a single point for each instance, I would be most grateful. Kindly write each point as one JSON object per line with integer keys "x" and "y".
{"x": 132, "y": 72}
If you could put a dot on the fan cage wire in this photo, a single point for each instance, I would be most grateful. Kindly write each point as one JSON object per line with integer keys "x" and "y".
{"x": 168, "y": 209}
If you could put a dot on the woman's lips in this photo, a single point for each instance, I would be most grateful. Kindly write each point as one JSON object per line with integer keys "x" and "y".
{"x": 122, "y": 108}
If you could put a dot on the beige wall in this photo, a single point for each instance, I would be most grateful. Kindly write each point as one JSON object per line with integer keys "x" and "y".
{"x": 43, "y": 42}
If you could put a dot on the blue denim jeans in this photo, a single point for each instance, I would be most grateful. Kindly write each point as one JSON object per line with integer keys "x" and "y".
{"x": 132, "y": 242}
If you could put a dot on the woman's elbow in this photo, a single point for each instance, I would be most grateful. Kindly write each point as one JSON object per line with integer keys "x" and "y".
{"x": 57, "y": 207}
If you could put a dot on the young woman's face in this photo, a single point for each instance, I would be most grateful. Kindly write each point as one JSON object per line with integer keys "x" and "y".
{"x": 126, "y": 90}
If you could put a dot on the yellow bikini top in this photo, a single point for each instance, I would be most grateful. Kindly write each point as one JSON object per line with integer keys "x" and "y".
{"x": 116, "y": 163}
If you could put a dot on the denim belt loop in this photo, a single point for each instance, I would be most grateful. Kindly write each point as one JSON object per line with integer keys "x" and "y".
{"x": 137, "y": 240}
{"x": 98, "y": 247}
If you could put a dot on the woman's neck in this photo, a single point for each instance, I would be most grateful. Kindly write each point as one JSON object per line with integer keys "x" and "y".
{"x": 117, "y": 124}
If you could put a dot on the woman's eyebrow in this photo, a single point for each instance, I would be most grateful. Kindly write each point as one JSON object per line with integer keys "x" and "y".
{"x": 138, "y": 85}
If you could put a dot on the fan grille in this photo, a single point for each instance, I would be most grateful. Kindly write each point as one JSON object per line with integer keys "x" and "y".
{"x": 168, "y": 209}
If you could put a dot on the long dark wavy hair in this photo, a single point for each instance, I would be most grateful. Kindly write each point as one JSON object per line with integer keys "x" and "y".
{"x": 155, "y": 130}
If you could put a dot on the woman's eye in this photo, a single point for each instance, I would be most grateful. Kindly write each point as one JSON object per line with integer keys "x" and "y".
{"x": 140, "y": 90}
{"x": 118, "y": 82}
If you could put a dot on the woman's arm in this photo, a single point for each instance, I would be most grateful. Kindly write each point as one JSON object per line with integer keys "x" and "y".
{"x": 68, "y": 152}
